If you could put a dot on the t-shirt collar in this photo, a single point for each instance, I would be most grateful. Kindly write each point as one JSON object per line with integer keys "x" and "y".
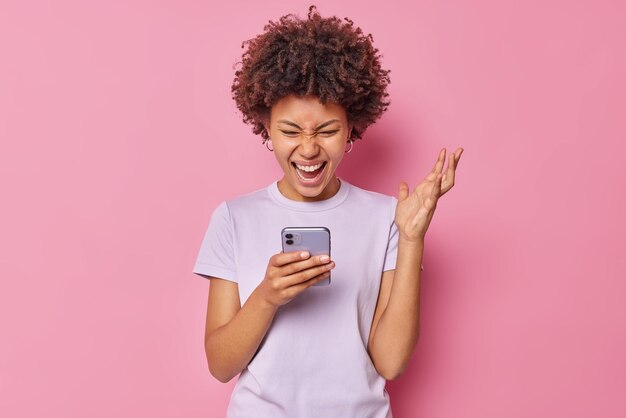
{"x": 331, "y": 202}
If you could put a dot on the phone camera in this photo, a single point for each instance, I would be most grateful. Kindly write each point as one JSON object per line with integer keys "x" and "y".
{"x": 289, "y": 241}
{"x": 289, "y": 235}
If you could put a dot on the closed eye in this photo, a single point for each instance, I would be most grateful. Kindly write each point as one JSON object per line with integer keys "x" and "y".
{"x": 324, "y": 133}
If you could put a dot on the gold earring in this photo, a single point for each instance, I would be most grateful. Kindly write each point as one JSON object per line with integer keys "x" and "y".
{"x": 351, "y": 145}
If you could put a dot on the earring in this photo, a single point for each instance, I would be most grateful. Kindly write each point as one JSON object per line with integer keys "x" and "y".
{"x": 265, "y": 141}
{"x": 351, "y": 141}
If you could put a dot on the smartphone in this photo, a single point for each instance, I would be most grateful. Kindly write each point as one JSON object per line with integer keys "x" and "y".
{"x": 314, "y": 239}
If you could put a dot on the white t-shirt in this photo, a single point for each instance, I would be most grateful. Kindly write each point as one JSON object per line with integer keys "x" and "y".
{"x": 313, "y": 361}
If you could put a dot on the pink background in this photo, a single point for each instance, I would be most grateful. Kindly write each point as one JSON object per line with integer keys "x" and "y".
{"x": 119, "y": 138}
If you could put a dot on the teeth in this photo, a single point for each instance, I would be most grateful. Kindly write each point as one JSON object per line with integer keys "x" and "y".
{"x": 309, "y": 168}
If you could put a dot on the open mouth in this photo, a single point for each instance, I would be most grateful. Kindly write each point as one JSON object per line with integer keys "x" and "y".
{"x": 309, "y": 176}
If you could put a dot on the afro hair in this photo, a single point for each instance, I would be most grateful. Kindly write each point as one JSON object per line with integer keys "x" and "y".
{"x": 324, "y": 57}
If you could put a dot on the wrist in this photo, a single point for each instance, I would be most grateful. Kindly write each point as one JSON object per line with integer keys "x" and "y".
{"x": 262, "y": 302}
{"x": 412, "y": 246}
{"x": 411, "y": 242}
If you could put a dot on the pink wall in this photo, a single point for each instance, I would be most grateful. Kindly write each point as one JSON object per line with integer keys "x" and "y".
{"x": 119, "y": 137}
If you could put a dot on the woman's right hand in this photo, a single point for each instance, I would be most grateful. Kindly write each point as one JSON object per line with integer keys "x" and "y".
{"x": 289, "y": 274}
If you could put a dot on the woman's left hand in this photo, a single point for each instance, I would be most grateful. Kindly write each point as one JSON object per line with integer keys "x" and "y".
{"x": 415, "y": 211}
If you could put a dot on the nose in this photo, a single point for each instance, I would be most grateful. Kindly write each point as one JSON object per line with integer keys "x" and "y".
{"x": 308, "y": 147}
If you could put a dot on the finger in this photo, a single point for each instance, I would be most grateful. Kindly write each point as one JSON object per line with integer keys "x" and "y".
{"x": 438, "y": 184}
{"x": 294, "y": 290}
{"x": 436, "y": 191}
{"x": 441, "y": 153}
{"x": 403, "y": 190}
{"x": 443, "y": 161}
{"x": 316, "y": 279}
{"x": 297, "y": 266}
{"x": 304, "y": 275}
{"x": 448, "y": 178}
{"x": 280, "y": 259}
{"x": 438, "y": 165}
{"x": 458, "y": 157}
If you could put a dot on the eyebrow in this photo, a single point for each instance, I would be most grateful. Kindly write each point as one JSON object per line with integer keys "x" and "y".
{"x": 319, "y": 127}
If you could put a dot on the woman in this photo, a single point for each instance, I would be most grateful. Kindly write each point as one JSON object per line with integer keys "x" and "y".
{"x": 311, "y": 88}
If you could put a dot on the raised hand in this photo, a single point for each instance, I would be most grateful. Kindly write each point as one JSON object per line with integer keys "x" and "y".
{"x": 415, "y": 211}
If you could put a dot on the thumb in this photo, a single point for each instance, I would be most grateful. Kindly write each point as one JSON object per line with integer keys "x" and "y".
{"x": 403, "y": 190}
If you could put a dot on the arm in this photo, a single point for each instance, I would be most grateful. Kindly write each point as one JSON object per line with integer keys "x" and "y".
{"x": 393, "y": 338}
{"x": 233, "y": 332}
{"x": 395, "y": 328}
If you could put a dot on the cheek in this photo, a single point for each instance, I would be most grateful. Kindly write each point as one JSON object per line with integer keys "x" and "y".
{"x": 337, "y": 153}
{"x": 282, "y": 155}
{"x": 338, "y": 159}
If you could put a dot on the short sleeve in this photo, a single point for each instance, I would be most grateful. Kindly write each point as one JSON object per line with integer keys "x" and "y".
{"x": 216, "y": 257}
{"x": 392, "y": 245}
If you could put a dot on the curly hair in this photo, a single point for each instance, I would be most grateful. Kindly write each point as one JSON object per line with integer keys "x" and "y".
{"x": 323, "y": 57}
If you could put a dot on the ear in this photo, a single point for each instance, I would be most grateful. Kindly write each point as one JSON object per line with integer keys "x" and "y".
{"x": 266, "y": 125}
{"x": 350, "y": 126}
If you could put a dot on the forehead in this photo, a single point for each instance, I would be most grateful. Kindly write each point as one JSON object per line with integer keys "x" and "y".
{"x": 307, "y": 110}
